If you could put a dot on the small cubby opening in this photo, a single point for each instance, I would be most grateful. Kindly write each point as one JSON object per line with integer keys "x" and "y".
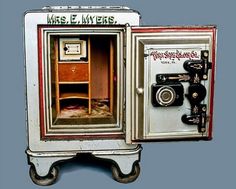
{"x": 84, "y": 88}
{"x": 73, "y": 91}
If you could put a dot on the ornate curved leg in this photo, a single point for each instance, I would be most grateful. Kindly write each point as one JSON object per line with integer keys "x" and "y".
{"x": 126, "y": 167}
{"x": 43, "y": 170}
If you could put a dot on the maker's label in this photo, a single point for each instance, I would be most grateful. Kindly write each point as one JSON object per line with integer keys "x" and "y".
{"x": 174, "y": 56}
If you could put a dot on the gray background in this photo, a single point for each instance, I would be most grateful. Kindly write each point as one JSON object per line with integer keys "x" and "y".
{"x": 181, "y": 165}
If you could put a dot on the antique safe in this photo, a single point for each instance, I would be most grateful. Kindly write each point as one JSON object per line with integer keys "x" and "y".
{"x": 97, "y": 82}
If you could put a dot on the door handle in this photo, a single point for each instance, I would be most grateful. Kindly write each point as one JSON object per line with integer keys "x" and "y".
{"x": 139, "y": 91}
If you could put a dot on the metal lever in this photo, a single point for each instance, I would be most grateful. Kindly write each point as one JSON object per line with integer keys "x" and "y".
{"x": 199, "y": 67}
{"x": 181, "y": 77}
{"x": 197, "y": 119}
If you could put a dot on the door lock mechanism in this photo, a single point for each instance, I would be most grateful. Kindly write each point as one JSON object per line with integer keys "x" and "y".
{"x": 197, "y": 71}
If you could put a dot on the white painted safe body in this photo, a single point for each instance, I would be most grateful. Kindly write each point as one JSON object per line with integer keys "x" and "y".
{"x": 159, "y": 86}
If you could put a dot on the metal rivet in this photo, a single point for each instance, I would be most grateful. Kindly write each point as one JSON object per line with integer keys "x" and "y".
{"x": 195, "y": 95}
{"x": 205, "y": 54}
{"x": 204, "y": 76}
{"x": 203, "y": 109}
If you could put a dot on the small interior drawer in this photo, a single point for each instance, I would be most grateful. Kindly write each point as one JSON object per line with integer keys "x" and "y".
{"x": 73, "y": 72}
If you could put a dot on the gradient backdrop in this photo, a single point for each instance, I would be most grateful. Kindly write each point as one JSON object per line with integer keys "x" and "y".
{"x": 180, "y": 165}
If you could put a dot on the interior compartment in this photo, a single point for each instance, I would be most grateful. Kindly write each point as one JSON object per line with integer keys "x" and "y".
{"x": 83, "y": 91}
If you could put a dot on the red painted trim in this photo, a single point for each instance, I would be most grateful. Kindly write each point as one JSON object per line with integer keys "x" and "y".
{"x": 44, "y": 135}
{"x": 40, "y": 76}
{"x": 84, "y": 137}
{"x": 170, "y": 29}
{"x": 212, "y": 83}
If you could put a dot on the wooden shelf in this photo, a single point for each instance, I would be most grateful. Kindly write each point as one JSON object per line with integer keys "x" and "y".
{"x": 73, "y": 82}
{"x": 72, "y": 95}
{"x": 73, "y": 62}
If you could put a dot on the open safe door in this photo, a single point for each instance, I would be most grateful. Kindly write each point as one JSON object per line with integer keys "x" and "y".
{"x": 170, "y": 83}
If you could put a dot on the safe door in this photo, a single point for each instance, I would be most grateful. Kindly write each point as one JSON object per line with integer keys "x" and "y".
{"x": 170, "y": 83}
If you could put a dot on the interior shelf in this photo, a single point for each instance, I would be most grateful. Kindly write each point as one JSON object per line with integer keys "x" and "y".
{"x": 73, "y": 82}
{"x": 73, "y": 62}
{"x": 71, "y": 95}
